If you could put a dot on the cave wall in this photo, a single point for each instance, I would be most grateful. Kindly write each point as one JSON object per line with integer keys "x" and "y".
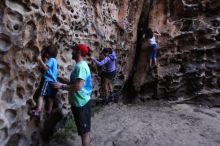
{"x": 189, "y": 52}
{"x": 28, "y": 25}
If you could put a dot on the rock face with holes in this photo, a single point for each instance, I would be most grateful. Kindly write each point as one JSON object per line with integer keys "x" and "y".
{"x": 188, "y": 52}
{"x": 28, "y": 25}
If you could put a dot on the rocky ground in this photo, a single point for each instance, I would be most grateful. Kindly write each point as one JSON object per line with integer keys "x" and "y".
{"x": 155, "y": 123}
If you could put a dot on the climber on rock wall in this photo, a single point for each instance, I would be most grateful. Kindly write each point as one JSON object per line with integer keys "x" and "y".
{"x": 150, "y": 35}
{"x": 110, "y": 69}
{"x": 47, "y": 61}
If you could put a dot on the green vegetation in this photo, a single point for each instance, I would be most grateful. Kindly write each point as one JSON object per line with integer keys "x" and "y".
{"x": 63, "y": 134}
{"x": 69, "y": 129}
{"x": 95, "y": 110}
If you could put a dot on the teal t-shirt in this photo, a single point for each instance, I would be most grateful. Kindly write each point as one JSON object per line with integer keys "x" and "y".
{"x": 81, "y": 71}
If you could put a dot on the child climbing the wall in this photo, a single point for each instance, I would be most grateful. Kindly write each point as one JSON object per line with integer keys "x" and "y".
{"x": 153, "y": 46}
{"x": 109, "y": 70}
{"x": 37, "y": 92}
{"x": 48, "y": 63}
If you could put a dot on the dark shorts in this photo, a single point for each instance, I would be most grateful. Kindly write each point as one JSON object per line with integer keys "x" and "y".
{"x": 109, "y": 75}
{"x": 82, "y": 117}
{"x": 46, "y": 89}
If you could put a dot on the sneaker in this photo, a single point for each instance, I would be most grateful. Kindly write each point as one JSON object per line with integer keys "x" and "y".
{"x": 30, "y": 111}
{"x": 115, "y": 100}
{"x": 105, "y": 101}
{"x": 110, "y": 97}
{"x": 34, "y": 113}
{"x": 48, "y": 113}
{"x": 150, "y": 69}
{"x": 113, "y": 97}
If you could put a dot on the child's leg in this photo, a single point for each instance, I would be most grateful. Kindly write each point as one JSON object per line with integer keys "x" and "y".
{"x": 155, "y": 57}
{"x": 40, "y": 103}
{"x": 111, "y": 98}
{"x": 150, "y": 62}
{"x": 151, "y": 57}
{"x": 110, "y": 86}
{"x": 106, "y": 94}
{"x": 155, "y": 61}
{"x": 50, "y": 104}
{"x": 106, "y": 86}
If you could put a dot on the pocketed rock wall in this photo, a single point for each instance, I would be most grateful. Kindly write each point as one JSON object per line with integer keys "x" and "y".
{"x": 28, "y": 25}
{"x": 189, "y": 51}
{"x": 189, "y": 56}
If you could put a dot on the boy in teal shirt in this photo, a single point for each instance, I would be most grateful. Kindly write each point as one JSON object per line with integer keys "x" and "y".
{"x": 80, "y": 88}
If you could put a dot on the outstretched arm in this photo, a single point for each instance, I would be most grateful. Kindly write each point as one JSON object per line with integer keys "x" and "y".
{"x": 76, "y": 86}
{"x": 101, "y": 63}
{"x": 157, "y": 34}
{"x": 41, "y": 63}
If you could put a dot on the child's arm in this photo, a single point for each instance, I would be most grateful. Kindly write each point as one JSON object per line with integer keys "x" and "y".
{"x": 63, "y": 80}
{"x": 100, "y": 63}
{"x": 76, "y": 86}
{"x": 41, "y": 63}
{"x": 156, "y": 33}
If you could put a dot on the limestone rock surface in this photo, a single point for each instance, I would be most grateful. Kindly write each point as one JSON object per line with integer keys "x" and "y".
{"x": 28, "y": 25}
{"x": 188, "y": 51}
{"x": 189, "y": 60}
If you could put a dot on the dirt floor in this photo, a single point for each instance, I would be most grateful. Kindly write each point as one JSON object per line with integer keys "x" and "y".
{"x": 153, "y": 124}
